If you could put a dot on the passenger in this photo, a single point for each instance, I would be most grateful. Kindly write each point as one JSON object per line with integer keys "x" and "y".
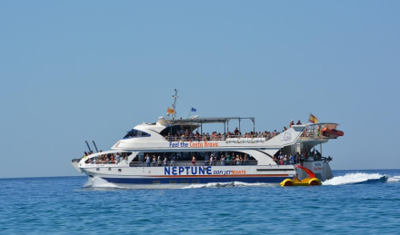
{"x": 148, "y": 160}
{"x": 285, "y": 160}
{"x": 117, "y": 158}
{"x": 159, "y": 160}
{"x": 298, "y": 122}
{"x": 215, "y": 159}
{"x": 211, "y": 159}
{"x": 246, "y": 160}
{"x": 214, "y": 136}
{"x": 237, "y": 160}
{"x": 222, "y": 160}
{"x": 165, "y": 161}
{"x": 237, "y": 132}
{"x": 280, "y": 158}
{"x": 228, "y": 158}
{"x": 291, "y": 159}
{"x": 297, "y": 158}
{"x": 233, "y": 159}
{"x": 112, "y": 159}
{"x": 193, "y": 161}
{"x": 154, "y": 161}
{"x": 291, "y": 124}
{"x": 295, "y": 178}
{"x": 172, "y": 160}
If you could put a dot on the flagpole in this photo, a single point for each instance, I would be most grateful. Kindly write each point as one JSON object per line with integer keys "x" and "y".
{"x": 190, "y": 112}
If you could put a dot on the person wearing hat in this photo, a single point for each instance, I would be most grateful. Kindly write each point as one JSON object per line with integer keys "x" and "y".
{"x": 291, "y": 124}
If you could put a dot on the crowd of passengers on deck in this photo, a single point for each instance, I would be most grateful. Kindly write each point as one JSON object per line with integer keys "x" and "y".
{"x": 209, "y": 159}
{"x": 110, "y": 158}
{"x": 212, "y": 159}
{"x": 292, "y": 159}
{"x": 186, "y": 135}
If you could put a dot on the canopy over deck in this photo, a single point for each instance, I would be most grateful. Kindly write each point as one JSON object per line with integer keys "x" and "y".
{"x": 200, "y": 121}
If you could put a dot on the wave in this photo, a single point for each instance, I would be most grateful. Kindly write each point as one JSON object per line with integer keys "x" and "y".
{"x": 361, "y": 178}
{"x": 229, "y": 185}
{"x": 97, "y": 182}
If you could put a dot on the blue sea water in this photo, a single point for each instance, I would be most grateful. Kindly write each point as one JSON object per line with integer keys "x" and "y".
{"x": 354, "y": 202}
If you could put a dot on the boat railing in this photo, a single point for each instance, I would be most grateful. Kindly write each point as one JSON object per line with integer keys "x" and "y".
{"x": 222, "y": 137}
{"x": 198, "y": 163}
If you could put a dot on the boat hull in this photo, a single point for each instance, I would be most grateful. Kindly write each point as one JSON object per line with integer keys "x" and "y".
{"x": 180, "y": 177}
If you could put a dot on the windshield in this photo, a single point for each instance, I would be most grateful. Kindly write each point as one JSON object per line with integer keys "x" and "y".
{"x": 136, "y": 133}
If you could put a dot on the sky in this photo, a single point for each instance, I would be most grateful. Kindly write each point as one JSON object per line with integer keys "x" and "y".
{"x": 72, "y": 71}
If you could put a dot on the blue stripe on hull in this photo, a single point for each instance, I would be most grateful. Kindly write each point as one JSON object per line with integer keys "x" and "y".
{"x": 196, "y": 180}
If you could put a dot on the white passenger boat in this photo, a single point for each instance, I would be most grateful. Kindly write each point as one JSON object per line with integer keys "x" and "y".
{"x": 183, "y": 154}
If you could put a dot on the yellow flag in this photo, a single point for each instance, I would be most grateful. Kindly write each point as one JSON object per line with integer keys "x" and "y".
{"x": 170, "y": 111}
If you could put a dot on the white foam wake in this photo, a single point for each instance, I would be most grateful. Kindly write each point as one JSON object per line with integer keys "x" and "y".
{"x": 96, "y": 182}
{"x": 228, "y": 184}
{"x": 394, "y": 179}
{"x": 356, "y": 178}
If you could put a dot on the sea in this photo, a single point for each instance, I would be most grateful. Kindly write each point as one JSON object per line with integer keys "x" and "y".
{"x": 353, "y": 202}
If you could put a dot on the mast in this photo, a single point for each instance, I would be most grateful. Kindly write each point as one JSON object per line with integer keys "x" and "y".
{"x": 169, "y": 116}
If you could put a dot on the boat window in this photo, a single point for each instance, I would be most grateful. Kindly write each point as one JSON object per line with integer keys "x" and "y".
{"x": 136, "y": 133}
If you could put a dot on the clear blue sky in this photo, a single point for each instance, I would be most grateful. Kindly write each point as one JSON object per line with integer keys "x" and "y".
{"x": 72, "y": 71}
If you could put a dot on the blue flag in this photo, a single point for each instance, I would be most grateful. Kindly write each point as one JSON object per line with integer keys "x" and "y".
{"x": 193, "y": 110}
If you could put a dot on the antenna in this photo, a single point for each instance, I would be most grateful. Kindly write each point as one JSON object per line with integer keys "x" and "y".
{"x": 95, "y": 146}
{"x": 88, "y": 146}
{"x": 174, "y": 105}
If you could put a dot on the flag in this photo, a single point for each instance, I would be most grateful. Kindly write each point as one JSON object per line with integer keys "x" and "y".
{"x": 170, "y": 111}
{"x": 193, "y": 110}
{"x": 313, "y": 119}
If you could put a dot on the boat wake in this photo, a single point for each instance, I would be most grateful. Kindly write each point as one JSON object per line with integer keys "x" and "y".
{"x": 394, "y": 179}
{"x": 99, "y": 183}
{"x": 229, "y": 185}
{"x": 361, "y": 178}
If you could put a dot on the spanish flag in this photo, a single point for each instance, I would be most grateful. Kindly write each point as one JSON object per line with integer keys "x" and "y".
{"x": 313, "y": 119}
{"x": 170, "y": 111}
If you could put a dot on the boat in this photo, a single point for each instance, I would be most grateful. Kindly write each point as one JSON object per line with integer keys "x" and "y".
{"x": 175, "y": 153}
{"x": 331, "y": 132}
{"x": 311, "y": 180}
